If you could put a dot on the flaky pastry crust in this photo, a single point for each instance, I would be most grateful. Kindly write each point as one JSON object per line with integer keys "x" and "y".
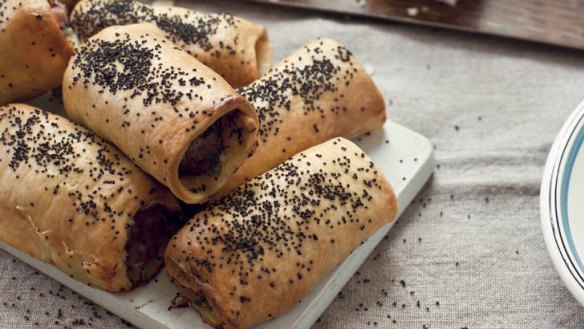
{"x": 69, "y": 198}
{"x": 237, "y": 49}
{"x": 135, "y": 88}
{"x": 255, "y": 253}
{"x": 317, "y": 93}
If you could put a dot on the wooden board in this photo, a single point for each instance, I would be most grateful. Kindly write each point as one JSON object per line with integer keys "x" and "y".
{"x": 557, "y": 22}
{"x": 405, "y": 157}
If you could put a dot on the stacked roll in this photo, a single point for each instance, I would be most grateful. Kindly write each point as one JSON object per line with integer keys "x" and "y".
{"x": 236, "y": 49}
{"x": 279, "y": 234}
{"x": 174, "y": 117}
{"x": 319, "y": 92}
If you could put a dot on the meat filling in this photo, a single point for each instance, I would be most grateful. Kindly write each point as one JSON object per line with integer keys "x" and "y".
{"x": 147, "y": 237}
{"x": 202, "y": 306}
{"x": 191, "y": 295}
{"x": 198, "y": 301}
{"x": 203, "y": 157}
{"x": 61, "y": 15}
{"x": 59, "y": 12}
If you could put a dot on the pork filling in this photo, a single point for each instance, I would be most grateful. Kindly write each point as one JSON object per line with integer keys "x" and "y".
{"x": 202, "y": 306}
{"x": 203, "y": 157}
{"x": 147, "y": 236}
{"x": 59, "y": 12}
{"x": 198, "y": 301}
{"x": 61, "y": 15}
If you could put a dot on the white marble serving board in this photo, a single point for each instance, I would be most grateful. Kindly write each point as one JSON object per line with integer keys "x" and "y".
{"x": 406, "y": 159}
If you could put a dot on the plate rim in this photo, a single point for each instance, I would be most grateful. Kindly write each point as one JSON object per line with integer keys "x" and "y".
{"x": 563, "y": 146}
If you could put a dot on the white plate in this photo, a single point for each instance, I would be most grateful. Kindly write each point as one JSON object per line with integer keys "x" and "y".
{"x": 562, "y": 203}
{"x": 406, "y": 159}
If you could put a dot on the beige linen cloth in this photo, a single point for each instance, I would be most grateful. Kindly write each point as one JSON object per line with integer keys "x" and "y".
{"x": 469, "y": 253}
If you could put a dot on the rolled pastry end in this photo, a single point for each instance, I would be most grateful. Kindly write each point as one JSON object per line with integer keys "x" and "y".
{"x": 253, "y": 255}
{"x": 149, "y": 231}
{"x": 264, "y": 51}
{"x": 213, "y": 156}
{"x": 191, "y": 288}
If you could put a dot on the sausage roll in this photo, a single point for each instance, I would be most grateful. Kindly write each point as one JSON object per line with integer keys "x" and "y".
{"x": 237, "y": 49}
{"x": 71, "y": 199}
{"x": 318, "y": 93}
{"x": 171, "y": 115}
{"x": 254, "y": 254}
{"x": 33, "y": 48}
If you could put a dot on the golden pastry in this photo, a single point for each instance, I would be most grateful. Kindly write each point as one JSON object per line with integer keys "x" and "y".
{"x": 257, "y": 252}
{"x": 33, "y": 48}
{"x": 173, "y": 116}
{"x": 237, "y": 49}
{"x": 317, "y": 93}
{"x": 71, "y": 199}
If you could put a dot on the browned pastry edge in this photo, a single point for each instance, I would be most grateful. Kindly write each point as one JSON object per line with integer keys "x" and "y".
{"x": 33, "y": 50}
{"x": 71, "y": 199}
